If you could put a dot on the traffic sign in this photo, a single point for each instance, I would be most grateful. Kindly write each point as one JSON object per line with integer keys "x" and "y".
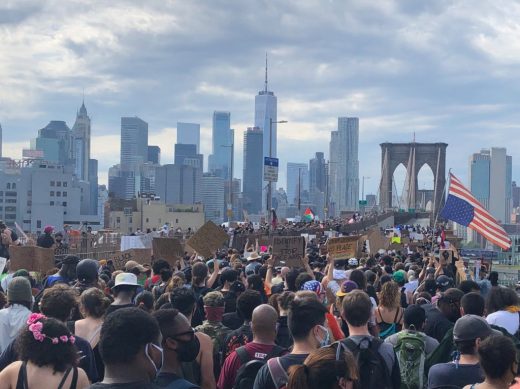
{"x": 363, "y": 202}
{"x": 270, "y": 169}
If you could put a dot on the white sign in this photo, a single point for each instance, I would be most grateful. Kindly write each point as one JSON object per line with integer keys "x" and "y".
{"x": 270, "y": 169}
{"x": 3, "y": 261}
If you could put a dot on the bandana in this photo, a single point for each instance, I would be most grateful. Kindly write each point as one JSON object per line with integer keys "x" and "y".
{"x": 313, "y": 286}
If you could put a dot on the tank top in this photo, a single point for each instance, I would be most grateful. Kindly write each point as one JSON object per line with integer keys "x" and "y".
{"x": 22, "y": 382}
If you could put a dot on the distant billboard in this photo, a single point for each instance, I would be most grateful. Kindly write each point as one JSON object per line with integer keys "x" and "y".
{"x": 32, "y": 154}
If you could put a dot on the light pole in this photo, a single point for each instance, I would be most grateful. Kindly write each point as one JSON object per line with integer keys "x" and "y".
{"x": 270, "y": 184}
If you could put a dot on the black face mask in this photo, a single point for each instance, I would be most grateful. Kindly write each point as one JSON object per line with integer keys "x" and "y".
{"x": 187, "y": 351}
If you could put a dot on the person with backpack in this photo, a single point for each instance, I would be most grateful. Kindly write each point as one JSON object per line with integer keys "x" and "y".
{"x": 468, "y": 333}
{"x": 306, "y": 321}
{"x": 377, "y": 362}
{"x": 412, "y": 346}
{"x": 389, "y": 314}
{"x": 241, "y": 367}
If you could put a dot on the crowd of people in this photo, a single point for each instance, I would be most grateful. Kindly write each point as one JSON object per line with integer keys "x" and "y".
{"x": 392, "y": 319}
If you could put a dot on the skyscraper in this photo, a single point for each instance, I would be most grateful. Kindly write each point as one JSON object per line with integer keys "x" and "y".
{"x": 154, "y": 155}
{"x": 81, "y": 133}
{"x": 490, "y": 173}
{"x": 220, "y": 160}
{"x": 344, "y": 166}
{"x": 297, "y": 181}
{"x": 212, "y": 193}
{"x": 188, "y": 133}
{"x": 265, "y": 113}
{"x": 253, "y": 170}
{"x": 178, "y": 184}
{"x": 318, "y": 173}
{"x": 55, "y": 141}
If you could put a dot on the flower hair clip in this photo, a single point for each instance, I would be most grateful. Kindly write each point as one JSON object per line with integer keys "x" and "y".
{"x": 36, "y": 326}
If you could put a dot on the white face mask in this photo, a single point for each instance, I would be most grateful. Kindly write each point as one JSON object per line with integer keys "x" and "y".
{"x": 326, "y": 340}
{"x": 157, "y": 369}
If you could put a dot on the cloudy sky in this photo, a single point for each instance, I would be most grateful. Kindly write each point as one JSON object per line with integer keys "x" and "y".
{"x": 448, "y": 71}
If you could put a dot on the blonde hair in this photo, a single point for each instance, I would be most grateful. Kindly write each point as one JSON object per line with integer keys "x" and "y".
{"x": 390, "y": 297}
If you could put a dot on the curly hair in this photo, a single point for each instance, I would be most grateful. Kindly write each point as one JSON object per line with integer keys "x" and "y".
{"x": 93, "y": 303}
{"x": 59, "y": 301}
{"x": 390, "y": 297}
{"x": 60, "y": 356}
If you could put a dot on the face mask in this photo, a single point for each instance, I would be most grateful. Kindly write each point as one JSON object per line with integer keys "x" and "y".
{"x": 157, "y": 368}
{"x": 188, "y": 351}
{"x": 326, "y": 340}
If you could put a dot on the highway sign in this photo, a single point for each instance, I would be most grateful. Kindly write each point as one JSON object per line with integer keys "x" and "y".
{"x": 270, "y": 169}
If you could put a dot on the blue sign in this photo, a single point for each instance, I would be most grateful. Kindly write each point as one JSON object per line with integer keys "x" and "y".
{"x": 268, "y": 161}
{"x": 270, "y": 169}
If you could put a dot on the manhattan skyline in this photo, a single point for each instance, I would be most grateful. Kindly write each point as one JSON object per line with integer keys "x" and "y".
{"x": 446, "y": 73}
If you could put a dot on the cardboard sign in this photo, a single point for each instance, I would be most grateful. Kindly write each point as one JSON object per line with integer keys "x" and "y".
{"x": 131, "y": 242}
{"x": 377, "y": 241}
{"x": 289, "y": 250}
{"x": 169, "y": 249}
{"x": 31, "y": 258}
{"x": 208, "y": 239}
{"x": 342, "y": 248}
{"x": 141, "y": 256}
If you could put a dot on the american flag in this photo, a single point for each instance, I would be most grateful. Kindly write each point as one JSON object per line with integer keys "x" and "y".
{"x": 463, "y": 208}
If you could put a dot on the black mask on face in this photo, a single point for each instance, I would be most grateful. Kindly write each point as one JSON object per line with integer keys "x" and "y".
{"x": 187, "y": 351}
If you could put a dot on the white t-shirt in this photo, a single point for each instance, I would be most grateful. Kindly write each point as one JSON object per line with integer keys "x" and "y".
{"x": 509, "y": 321}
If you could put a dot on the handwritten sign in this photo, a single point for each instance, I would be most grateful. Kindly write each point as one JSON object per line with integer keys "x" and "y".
{"x": 208, "y": 239}
{"x": 31, "y": 258}
{"x": 169, "y": 249}
{"x": 141, "y": 256}
{"x": 289, "y": 250}
{"x": 344, "y": 247}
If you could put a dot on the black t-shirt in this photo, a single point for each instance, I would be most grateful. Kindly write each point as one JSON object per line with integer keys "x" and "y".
{"x": 232, "y": 320}
{"x": 263, "y": 378}
{"x": 45, "y": 241}
{"x": 126, "y": 385}
{"x": 111, "y": 308}
{"x": 436, "y": 323}
{"x": 165, "y": 379}
{"x": 452, "y": 375}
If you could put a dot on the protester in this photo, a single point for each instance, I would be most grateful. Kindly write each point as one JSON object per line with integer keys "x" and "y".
{"x": 67, "y": 273}
{"x": 48, "y": 358}
{"x": 145, "y": 301}
{"x": 157, "y": 266}
{"x": 441, "y": 319}
{"x": 46, "y": 240}
{"x": 325, "y": 368}
{"x": 389, "y": 314}
{"x": 283, "y": 335}
{"x": 503, "y": 307}
{"x": 130, "y": 345}
{"x": 306, "y": 321}
{"x": 179, "y": 345}
{"x": 8, "y": 238}
{"x": 124, "y": 290}
{"x": 13, "y": 318}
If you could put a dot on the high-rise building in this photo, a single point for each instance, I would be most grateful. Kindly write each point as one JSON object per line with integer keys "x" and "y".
{"x": 1, "y": 141}
{"x": 253, "y": 170}
{"x": 220, "y": 160}
{"x": 265, "y": 119}
{"x": 93, "y": 185}
{"x": 55, "y": 141}
{"x": 344, "y": 166}
{"x": 212, "y": 192}
{"x": 297, "y": 182}
{"x": 81, "y": 133}
{"x": 318, "y": 173}
{"x": 188, "y": 133}
{"x": 154, "y": 155}
{"x": 178, "y": 184}
{"x": 490, "y": 173}
{"x": 516, "y": 195}
{"x": 184, "y": 151}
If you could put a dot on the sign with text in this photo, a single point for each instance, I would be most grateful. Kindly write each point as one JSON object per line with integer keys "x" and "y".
{"x": 208, "y": 239}
{"x": 141, "y": 256}
{"x": 289, "y": 250}
{"x": 270, "y": 169}
{"x": 31, "y": 258}
{"x": 344, "y": 247}
{"x": 169, "y": 249}
{"x": 377, "y": 241}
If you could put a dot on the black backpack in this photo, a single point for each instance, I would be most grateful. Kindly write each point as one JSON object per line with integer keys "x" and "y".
{"x": 249, "y": 368}
{"x": 373, "y": 372}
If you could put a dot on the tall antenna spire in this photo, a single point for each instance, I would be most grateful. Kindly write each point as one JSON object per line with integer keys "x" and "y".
{"x": 266, "y": 71}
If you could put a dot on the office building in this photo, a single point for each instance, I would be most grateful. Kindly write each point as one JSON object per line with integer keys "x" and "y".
{"x": 154, "y": 155}
{"x": 490, "y": 173}
{"x": 55, "y": 141}
{"x": 213, "y": 197}
{"x": 253, "y": 170}
{"x": 318, "y": 173}
{"x": 178, "y": 184}
{"x": 9, "y": 188}
{"x": 344, "y": 166}
{"x": 102, "y": 200}
{"x": 297, "y": 182}
{"x": 265, "y": 114}
{"x": 81, "y": 133}
{"x": 184, "y": 152}
{"x": 93, "y": 186}
{"x": 188, "y": 133}
{"x": 219, "y": 161}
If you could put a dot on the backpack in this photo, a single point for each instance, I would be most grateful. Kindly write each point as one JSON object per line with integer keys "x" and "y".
{"x": 373, "y": 372}
{"x": 411, "y": 355}
{"x": 278, "y": 373}
{"x": 443, "y": 353}
{"x": 249, "y": 368}
{"x": 514, "y": 338}
{"x": 387, "y": 329}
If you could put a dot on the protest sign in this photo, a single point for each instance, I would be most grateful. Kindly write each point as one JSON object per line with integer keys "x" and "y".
{"x": 131, "y": 242}
{"x": 342, "y": 248}
{"x": 141, "y": 256}
{"x": 208, "y": 239}
{"x": 169, "y": 249}
{"x": 377, "y": 241}
{"x": 289, "y": 250}
{"x": 31, "y": 258}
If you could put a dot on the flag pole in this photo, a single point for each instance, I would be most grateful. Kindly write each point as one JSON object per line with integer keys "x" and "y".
{"x": 446, "y": 184}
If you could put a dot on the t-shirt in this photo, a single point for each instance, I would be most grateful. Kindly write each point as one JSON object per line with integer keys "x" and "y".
{"x": 436, "y": 323}
{"x": 504, "y": 319}
{"x": 127, "y": 385}
{"x": 236, "y": 339}
{"x": 263, "y": 378}
{"x": 111, "y": 308}
{"x": 446, "y": 374}
{"x": 232, "y": 320}
{"x": 429, "y": 346}
{"x": 55, "y": 278}
{"x": 172, "y": 379}
{"x": 45, "y": 241}
{"x": 232, "y": 364}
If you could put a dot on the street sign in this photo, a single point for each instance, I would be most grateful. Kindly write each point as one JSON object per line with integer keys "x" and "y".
{"x": 270, "y": 169}
{"x": 363, "y": 202}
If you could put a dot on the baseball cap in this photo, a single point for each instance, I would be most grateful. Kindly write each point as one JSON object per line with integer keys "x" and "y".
{"x": 353, "y": 262}
{"x": 443, "y": 282}
{"x": 126, "y": 279}
{"x": 130, "y": 265}
{"x": 470, "y": 327}
{"x": 252, "y": 268}
{"x": 399, "y": 276}
{"x": 346, "y": 287}
{"x": 48, "y": 229}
